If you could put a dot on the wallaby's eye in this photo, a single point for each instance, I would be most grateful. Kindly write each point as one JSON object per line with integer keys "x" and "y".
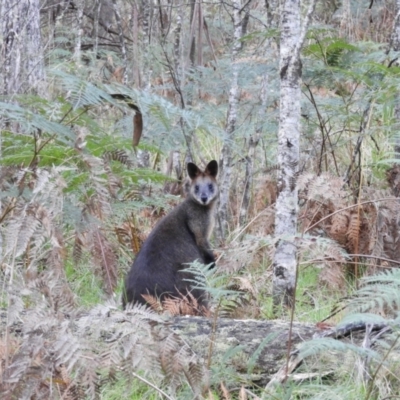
{"x": 196, "y": 189}
{"x": 211, "y": 187}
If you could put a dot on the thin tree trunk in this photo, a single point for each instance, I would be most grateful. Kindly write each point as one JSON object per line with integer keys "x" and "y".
{"x": 177, "y": 48}
{"x": 190, "y": 62}
{"x": 226, "y": 157}
{"x": 96, "y": 13}
{"x": 143, "y": 156}
{"x": 200, "y": 27}
{"x": 395, "y": 45}
{"x": 284, "y": 263}
{"x": 192, "y": 45}
{"x": 146, "y": 44}
{"x": 135, "y": 51}
{"x": 78, "y": 40}
{"x": 345, "y": 22}
{"x": 34, "y": 55}
{"x": 122, "y": 42}
{"x": 178, "y": 82}
{"x": 23, "y": 68}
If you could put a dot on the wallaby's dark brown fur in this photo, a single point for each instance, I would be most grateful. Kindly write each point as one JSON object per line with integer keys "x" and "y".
{"x": 178, "y": 239}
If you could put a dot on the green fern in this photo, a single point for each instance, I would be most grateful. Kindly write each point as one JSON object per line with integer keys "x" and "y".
{"x": 208, "y": 280}
{"x": 380, "y": 293}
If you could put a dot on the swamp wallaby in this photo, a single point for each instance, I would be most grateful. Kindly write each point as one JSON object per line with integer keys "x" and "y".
{"x": 180, "y": 238}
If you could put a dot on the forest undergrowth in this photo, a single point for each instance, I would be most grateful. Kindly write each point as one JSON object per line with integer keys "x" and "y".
{"x": 90, "y": 165}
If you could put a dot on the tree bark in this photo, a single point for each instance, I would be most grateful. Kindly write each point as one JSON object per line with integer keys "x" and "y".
{"x": 288, "y": 156}
{"x": 226, "y": 156}
{"x": 78, "y": 40}
{"x": 146, "y": 43}
{"x": 284, "y": 263}
{"x": 395, "y": 45}
{"x": 143, "y": 156}
{"x": 268, "y": 339}
{"x": 23, "y": 68}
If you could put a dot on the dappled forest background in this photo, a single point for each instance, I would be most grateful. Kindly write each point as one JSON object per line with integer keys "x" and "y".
{"x": 104, "y": 102}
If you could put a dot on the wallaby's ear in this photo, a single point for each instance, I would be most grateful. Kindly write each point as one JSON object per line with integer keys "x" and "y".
{"x": 212, "y": 168}
{"x": 193, "y": 170}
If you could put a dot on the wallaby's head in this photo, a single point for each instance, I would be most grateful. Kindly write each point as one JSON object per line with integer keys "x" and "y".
{"x": 203, "y": 186}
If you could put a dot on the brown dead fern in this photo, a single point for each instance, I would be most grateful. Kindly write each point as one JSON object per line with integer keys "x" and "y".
{"x": 183, "y": 305}
{"x": 62, "y": 355}
{"x": 368, "y": 229}
{"x": 129, "y": 235}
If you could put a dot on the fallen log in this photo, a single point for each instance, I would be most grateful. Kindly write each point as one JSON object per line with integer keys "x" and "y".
{"x": 257, "y": 350}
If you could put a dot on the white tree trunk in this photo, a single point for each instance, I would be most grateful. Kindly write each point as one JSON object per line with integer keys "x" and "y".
{"x": 135, "y": 49}
{"x": 79, "y": 34}
{"x": 22, "y": 58}
{"x": 395, "y": 44}
{"x": 226, "y": 161}
{"x": 284, "y": 263}
{"x": 34, "y": 53}
{"x": 177, "y": 48}
{"x": 146, "y": 44}
{"x": 143, "y": 156}
{"x": 395, "y": 39}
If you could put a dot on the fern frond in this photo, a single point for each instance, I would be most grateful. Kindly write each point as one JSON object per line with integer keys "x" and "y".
{"x": 128, "y": 234}
{"x": 89, "y": 378}
{"x": 154, "y": 303}
{"x": 353, "y": 231}
{"x": 380, "y": 292}
{"x": 118, "y": 155}
{"x": 195, "y": 376}
{"x": 78, "y": 247}
{"x": 111, "y": 356}
{"x": 326, "y": 188}
{"x": 67, "y": 350}
{"x": 25, "y": 226}
{"x": 31, "y": 123}
{"x": 81, "y": 92}
{"x": 171, "y": 362}
{"x": 321, "y": 251}
{"x": 304, "y": 180}
{"x": 204, "y": 278}
{"x": 322, "y": 345}
{"x": 185, "y": 304}
{"x": 178, "y": 360}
